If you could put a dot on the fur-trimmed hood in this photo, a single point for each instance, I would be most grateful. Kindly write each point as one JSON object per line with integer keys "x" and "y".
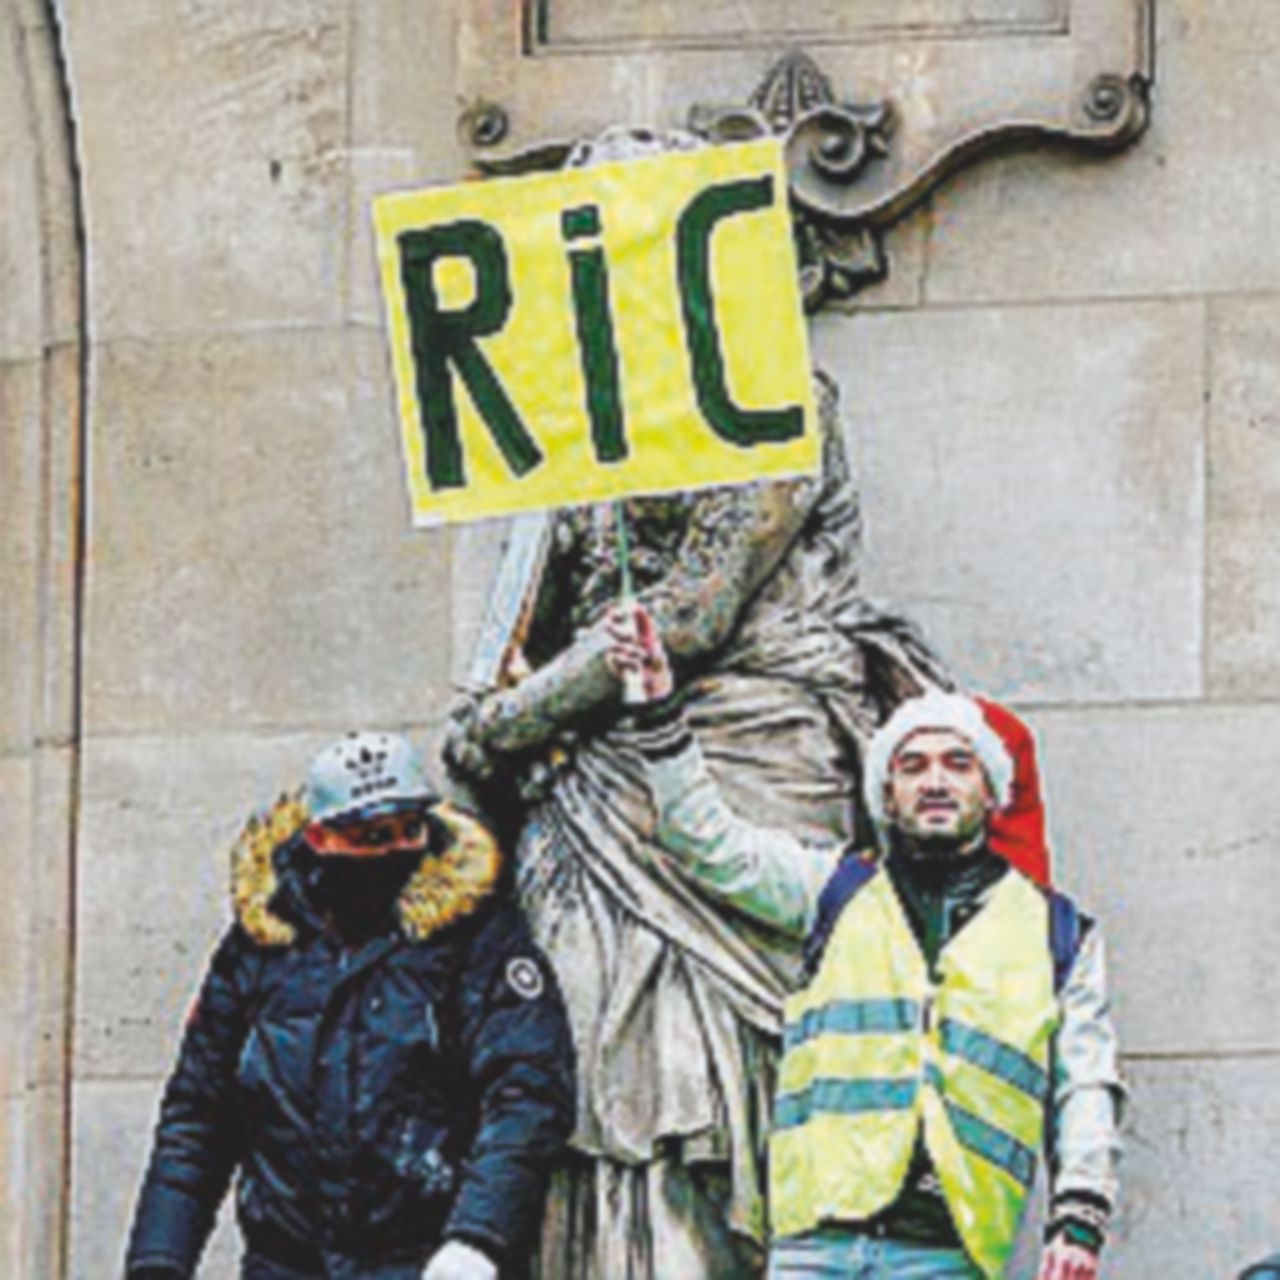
{"x": 444, "y": 888}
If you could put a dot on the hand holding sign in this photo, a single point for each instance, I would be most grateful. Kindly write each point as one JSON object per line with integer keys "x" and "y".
{"x": 637, "y": 655}
{"x": 583, "y": 335}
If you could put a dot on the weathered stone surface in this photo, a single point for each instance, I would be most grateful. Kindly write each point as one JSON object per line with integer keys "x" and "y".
{"x": 1199, "y": 1187}
{"x": 59, "y": 249}
{"x": 159, "y": 818}
{"x": 45, "y": 883}
{"x": 39, "y": 258}
{"x": 1033, "y": 485}
{"x": 906, "y": 249}
{"x": 1244, "y": 499}
{"x": 1192, "y": 207}
{"x": 36, "y": 1194}
{"x": 12, "y": 1146}
{"x": 402, "y": 60}
{"x": 20, "y": 463}
{"x": 21, "y": 316}
{"x": 15, "y": 822}
{"x": 58, "y": 539}
{"x": 251, "y": 560}
{"x": 34, "y": 939}
{"x": 34, "y": 947}
{"x": 33, "y": 15}
{"x": 588, "y": 23}
{"x": 39, "y": 381}
{"x": 158, "y": 821}
{"x": 1167, "y": 822}
{"x": 113, "y": 1123}
{"x": 212, "y": 138}
{"x": 477, "y": 556}
{"x": 402, "y": 57}
{"x": 374, "y": 171}
{"x": 39, "y": 459}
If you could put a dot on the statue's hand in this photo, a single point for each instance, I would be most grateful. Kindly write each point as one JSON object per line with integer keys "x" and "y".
{"x": 466, "y": 754}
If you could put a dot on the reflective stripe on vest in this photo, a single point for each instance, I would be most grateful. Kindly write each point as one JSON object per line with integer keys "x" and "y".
{"x": 874, "y": 1049}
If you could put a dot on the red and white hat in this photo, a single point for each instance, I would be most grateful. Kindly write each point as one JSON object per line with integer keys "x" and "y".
{"x": 1017, "y": 832}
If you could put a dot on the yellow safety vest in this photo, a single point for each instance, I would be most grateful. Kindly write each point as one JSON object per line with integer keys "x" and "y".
{"x": 874, "y": 1049}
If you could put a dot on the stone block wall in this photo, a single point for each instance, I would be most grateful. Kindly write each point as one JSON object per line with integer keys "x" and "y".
{"x": 252, "y": 586}
{"x": 40, "y": 366}
{"x": 1063, "y": 410}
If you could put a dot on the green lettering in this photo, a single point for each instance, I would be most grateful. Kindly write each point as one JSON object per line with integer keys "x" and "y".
{"x": 742, "y": 427}
{"x": 440, "y": 338}
{"x": 596, "y": 347}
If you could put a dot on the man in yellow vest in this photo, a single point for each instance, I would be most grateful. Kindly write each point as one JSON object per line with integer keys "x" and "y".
{"x": 953, "y": 1019}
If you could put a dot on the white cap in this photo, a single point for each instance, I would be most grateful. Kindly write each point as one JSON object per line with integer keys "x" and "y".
{"x": 935, "y": 710}
{"x": 364, "y": 773}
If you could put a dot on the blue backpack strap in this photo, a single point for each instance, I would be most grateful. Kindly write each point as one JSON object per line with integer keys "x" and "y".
{"x": 1067, "y": 929}
{"x": 854, "y": 871}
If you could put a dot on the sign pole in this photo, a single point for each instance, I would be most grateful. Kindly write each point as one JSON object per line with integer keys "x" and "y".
{"x": 633, "y": 690}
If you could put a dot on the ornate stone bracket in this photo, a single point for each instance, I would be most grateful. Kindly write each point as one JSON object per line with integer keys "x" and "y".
{"x": 828, "y": 144}
{"x": 1073, "y": 72}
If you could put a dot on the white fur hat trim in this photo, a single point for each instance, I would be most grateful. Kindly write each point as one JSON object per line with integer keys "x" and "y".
{"x": 935, "y": 710}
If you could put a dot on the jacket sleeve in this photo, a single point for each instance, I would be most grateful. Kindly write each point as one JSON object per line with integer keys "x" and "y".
{"x": 1088, "y": 1096}
{"x": 764, "y": 872}
{"x": 194, "y": 1151}
{"x": 519, "y": 1058}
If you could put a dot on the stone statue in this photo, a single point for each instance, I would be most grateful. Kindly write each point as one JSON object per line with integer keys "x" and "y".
{"x": 676, "y": 1003}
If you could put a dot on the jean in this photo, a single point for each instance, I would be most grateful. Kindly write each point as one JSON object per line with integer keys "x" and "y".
{"x": 835, "y": 1254}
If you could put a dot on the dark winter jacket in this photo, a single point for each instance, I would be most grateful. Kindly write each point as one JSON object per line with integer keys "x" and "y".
{"x": 375, "y": 1099}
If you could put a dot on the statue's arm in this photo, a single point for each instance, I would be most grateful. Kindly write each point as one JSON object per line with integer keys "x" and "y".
{"x": 735, "y": 539}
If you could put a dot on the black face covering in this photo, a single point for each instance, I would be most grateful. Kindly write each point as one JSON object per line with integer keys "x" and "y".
{"x": 359, "y": 894}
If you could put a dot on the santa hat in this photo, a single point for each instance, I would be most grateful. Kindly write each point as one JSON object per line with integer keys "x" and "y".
{"x": 935, "y": 710}
{"x": 1017, "y": 832}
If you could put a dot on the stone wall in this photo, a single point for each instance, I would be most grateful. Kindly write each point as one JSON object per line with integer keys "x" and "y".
{"x": 253, "y": 586}
{"x": 40, "y": 458}
{"x": 1063, "y": 409}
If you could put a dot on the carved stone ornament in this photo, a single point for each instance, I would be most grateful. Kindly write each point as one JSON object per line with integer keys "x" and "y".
{"x": 828, "y": 144}
{"x": 908, "y": 92}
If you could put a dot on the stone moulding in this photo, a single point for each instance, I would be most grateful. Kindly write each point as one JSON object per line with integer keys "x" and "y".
{"x": 925, "y": 86}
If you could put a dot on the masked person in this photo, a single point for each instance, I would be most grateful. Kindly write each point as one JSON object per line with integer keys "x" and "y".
{"x": 953, "y": 1017}
{"x": 378, "y": 1050}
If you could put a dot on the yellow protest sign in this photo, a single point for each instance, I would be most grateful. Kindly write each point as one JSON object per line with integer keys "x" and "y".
{"x": 569, "y": 337}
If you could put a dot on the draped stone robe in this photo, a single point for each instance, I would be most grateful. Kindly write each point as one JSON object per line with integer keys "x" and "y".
{"x": 676, "y": 1001}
